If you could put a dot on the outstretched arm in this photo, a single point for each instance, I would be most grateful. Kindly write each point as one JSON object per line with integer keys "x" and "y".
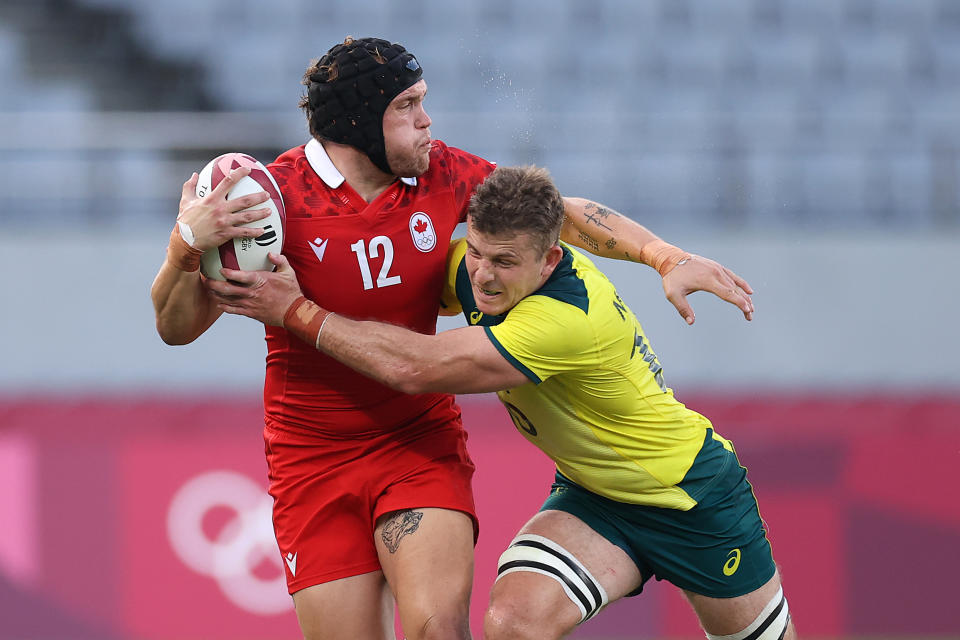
{"x": 182, "y": 306}
{"x": 604, "y": 232}
{"x": 456, "y": 361}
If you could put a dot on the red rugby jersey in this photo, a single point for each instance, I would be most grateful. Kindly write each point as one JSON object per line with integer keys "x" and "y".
{"x": 384, "y": 260}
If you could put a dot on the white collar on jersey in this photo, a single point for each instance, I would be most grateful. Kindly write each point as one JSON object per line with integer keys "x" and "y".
{"x": 321, "y": 163}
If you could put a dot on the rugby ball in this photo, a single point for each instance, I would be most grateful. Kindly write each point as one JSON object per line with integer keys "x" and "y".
{"x": 248, "y": 254}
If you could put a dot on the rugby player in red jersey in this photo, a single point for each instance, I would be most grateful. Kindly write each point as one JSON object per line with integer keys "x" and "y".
{"x": 372, "y": 487}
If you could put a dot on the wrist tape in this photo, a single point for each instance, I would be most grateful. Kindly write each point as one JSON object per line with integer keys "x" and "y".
{"x": 180, "y": 254}
{"x": 662, "y": 256}
{"x": 305, "y": 319}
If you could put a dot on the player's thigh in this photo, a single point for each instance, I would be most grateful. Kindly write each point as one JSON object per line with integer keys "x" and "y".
{"x": 427, "y": 558}
{"x": 358, "y": 607}
{"x": 727, "y": 616}
{"x": 321, "y": 508}
{"x": 525, "y": 599}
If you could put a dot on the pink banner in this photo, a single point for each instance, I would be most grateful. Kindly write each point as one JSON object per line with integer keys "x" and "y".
{"x": 148, "y": 518}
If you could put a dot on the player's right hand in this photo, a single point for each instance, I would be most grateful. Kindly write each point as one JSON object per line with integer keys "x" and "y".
{"x": 703, "y": 274}
{"x": 213, "y": 219}
{"x": 261, "y": 295}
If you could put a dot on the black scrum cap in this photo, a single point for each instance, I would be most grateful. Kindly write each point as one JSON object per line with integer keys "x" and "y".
{"x": 349, "y": 108}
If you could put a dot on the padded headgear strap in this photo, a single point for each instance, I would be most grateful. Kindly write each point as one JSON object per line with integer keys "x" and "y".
{"x": 349, "y": 108}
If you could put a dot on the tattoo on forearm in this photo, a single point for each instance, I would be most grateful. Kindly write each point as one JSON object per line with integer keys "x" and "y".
{"x": 597, "y": 214}
{"x": 611, "y": 243}
{"x": 590, "y": 242}
{"x": 398, "y": 525}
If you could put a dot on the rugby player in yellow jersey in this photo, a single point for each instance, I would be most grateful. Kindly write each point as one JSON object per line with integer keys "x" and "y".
{"x": 644, "y": 486}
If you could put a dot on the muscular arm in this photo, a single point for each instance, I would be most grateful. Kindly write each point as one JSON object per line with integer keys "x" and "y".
{"x": 456, "y": 361}
{"x": 604, "y": 232}
{"x": 182, "y": 306}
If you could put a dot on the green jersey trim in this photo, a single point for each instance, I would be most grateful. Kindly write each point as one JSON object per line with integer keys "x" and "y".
{"x": 522, "y": 368}
{"x": 565, "y": 285}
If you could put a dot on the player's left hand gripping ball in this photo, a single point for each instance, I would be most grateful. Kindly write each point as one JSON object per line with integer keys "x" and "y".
{"x": 248, "y": 254}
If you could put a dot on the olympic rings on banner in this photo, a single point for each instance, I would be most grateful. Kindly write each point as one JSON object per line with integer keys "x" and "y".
{"x": 246, "y": 541}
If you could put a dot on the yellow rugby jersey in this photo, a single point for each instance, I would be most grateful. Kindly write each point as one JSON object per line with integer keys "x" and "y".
{"x": 596, "y": 402}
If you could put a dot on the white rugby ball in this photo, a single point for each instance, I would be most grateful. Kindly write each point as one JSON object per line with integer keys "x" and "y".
{"x": 248, "y": 254}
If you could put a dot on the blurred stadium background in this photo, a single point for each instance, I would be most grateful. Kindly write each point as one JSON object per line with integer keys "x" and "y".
{"x": 813, "y": 146}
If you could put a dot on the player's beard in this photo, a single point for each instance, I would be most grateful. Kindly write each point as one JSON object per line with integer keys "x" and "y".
{"x": 409, "y": 165}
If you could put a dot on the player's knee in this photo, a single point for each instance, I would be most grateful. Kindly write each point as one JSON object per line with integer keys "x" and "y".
{"x": 442, "y": 628}
{"x": 501, "y": 622}
{"x": 773, "y": 622}
{"x": 518, "y": 620}
{"x": 517, "y": 610}
{"x": 437, "y": 624}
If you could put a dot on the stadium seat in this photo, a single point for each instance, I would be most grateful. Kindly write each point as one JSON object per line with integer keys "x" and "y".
{"x": 767, "y": 113}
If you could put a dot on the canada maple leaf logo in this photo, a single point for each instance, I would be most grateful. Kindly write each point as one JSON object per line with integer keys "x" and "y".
{"x": 422, "y": 232}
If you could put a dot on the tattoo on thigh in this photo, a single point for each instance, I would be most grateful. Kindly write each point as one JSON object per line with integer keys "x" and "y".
{"x": 398, "y": 525}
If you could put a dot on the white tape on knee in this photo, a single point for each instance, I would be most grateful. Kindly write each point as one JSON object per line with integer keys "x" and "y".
{"x": 771, "y": 624}
{"x": 529, "y": 552}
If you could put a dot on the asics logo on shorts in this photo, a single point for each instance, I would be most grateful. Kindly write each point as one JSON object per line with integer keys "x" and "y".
{"x": 732, "y": 563}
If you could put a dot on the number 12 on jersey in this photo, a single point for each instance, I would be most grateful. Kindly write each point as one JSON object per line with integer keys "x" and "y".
{"x": 384, "y": 279}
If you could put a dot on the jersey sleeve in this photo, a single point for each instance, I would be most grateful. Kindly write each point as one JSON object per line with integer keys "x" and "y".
{"x": 466, "y": 172}
{"x": 543, "y": 337}
{"x": 449, "y": 302}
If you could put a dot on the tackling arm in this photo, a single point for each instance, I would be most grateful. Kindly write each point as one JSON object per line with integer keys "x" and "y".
{"x": 456, "y": 361}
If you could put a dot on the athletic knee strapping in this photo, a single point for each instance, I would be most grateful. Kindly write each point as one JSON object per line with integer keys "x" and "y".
{"x": 771, "y": 624}
{"x": 529, "y": 552}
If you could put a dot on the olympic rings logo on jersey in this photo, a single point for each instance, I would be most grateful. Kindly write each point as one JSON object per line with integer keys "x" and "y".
{"x": 243, "y": 543}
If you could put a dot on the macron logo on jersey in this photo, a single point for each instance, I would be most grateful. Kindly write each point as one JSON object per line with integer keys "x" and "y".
{"x": 291, "y": 560}
{"x": 319, "y": 247}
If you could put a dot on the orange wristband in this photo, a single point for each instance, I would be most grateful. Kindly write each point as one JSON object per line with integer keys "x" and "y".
{"x": 662, "y": 256}
{"x": 182, "y": 255}
{"x": 305, "y": 319}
